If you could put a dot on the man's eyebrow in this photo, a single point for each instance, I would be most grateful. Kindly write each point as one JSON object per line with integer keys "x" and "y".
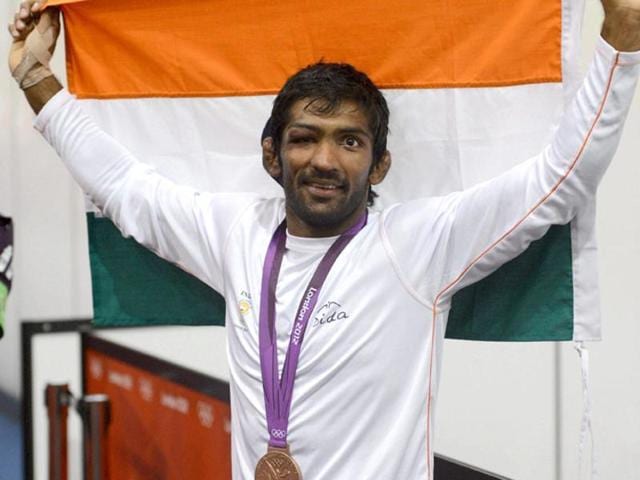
{"x": 306, "y": 126}
{"x": 341, "y": 131}
{"x": 355, "y": 131}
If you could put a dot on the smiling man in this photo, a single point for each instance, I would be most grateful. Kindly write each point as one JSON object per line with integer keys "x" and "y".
{"x": 364, "y": 386}
{"x": 327, "y": 147}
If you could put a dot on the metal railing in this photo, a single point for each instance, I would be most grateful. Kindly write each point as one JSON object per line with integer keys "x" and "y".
{"x": 94, "y": 411}
{"x": 57, "y": 400}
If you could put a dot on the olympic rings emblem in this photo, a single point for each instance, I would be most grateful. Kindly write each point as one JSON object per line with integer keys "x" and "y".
{"x": 276, "y": 433}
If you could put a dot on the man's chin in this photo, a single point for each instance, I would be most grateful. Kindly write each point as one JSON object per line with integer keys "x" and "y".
{"x": 323, "y": 218}
{"x": 321, "y": 206}
{"x": 326, "y": 212}
{"x": 324, "y": 215}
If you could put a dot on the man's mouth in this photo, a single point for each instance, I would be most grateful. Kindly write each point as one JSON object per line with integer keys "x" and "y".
{"x": 323, "y": 188}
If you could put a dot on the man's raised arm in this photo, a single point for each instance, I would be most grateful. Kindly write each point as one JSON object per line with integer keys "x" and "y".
{"x": 180, "y": 224}
{"x": 486, "y": 226}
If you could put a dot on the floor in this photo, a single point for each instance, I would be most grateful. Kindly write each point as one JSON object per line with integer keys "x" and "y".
{"x": 10, "y": 448}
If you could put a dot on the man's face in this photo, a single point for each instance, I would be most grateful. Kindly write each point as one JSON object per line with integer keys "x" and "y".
{"x": 325, "y": 165}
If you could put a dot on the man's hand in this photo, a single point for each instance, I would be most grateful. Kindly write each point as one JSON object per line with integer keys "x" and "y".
{"x": 34, "y": 33}
{"x": 621, "y": 27}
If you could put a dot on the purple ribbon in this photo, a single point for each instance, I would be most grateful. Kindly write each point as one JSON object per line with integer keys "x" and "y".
{"x": 278, "y": 391}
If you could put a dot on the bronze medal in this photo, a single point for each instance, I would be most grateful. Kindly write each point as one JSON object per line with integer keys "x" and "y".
{"x": 277, "y": 464}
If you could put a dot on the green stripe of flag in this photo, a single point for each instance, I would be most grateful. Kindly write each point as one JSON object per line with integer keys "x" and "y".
{"x": 133, "y": 287}
{"x": 527, "y": 299}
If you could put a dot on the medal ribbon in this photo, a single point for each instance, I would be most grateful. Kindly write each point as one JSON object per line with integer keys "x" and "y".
{"x": 278, "y": 391}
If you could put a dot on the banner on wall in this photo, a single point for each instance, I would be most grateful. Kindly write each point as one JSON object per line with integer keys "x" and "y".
{"x": 158, "y": 412}
{"x": 6, "y": 272}
{"x": 472, "y": 92}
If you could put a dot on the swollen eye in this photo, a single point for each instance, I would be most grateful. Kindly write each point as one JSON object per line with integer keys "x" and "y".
{"x": 300, "y": 139}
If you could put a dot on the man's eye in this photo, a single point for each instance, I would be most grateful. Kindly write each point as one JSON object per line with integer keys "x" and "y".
{"x": 351, "y": 142}
{"x": 301, "y": 139}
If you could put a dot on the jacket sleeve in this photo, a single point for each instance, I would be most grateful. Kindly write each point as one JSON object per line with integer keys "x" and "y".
{"x": 180, "y": 224}
{"x": 461, "y": 238}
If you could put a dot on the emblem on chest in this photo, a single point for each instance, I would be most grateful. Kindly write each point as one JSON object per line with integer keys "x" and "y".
{"x": 245, "y": 307}
{"x": 244, "y": 303}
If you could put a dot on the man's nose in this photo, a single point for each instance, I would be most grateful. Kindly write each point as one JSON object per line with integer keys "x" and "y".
{"x": 324, "y": 156}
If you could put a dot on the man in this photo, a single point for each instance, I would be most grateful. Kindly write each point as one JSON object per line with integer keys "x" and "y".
{"x": 362, "y": 403}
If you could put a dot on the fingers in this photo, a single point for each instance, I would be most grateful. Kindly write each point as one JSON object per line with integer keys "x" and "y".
{"x": 31, "y": 5}
{"x": 20, "y": 27}
{"x": 23, "y": 20}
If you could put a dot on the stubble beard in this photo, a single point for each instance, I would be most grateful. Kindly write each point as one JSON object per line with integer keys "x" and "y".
{"x": 321, "y": 214}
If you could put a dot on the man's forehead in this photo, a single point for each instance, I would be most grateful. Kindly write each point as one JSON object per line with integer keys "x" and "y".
{"x": 316, "y": 112}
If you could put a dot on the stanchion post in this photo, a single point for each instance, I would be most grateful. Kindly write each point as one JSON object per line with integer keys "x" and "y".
{"x": 57, "y": 400}
{"x": 95, "y": 413}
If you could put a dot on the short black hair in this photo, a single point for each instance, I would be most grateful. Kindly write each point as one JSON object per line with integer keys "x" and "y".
{"x": 326, "y": 86}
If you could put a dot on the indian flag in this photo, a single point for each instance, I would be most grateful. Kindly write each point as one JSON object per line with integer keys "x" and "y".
{"x": 474, "y": 88}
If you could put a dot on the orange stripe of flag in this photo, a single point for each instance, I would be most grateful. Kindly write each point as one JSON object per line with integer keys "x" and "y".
{"x": 138, "y": 48}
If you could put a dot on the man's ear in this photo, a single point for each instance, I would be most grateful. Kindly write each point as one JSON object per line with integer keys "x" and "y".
{"x": 270, "y": 160}
{"x": 380, "y": 169}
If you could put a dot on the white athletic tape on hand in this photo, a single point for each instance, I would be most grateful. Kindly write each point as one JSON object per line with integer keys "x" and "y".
{"x": 41, "y": 40}
{"x": 34, "y": 65}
